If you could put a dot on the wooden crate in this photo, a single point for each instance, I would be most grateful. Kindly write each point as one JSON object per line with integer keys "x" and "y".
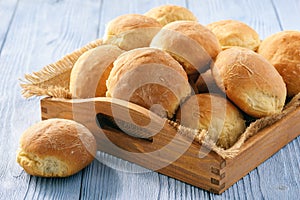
{"x": 195, "y": 165}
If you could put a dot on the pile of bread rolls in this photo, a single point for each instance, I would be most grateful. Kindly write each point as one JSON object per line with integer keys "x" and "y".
{"x": 205, "y": 77}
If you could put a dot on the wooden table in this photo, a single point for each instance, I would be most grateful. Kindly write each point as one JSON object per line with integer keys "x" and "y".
{"x": 34, "y": 33}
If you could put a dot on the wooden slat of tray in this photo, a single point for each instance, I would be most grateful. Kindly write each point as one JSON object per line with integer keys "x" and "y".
{"x": 210, "y": 172}
{"x": 263, "y": 145}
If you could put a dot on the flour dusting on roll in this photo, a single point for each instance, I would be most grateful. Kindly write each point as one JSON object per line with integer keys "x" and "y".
{"x": 150, "y": 78}
{"x": 168, "y": 13}
{"x": 283, "y": 51}
{"x": 91, "y": 70}
{"x": 56, "y": 148}
{"x": 232, "y": 33}
{"x": 250, "y": 81}
{"x": 214, "y": 113}
{"x": 131, "y": 31}
{"x": 190, "y": 43}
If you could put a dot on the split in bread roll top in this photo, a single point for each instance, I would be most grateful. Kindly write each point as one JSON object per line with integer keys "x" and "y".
{"x": 283, "y": 51}
{"x": 168, "y": 13}
{"x": 235, "y": 33}
{"x": 56, "y": 148}
{"x": 191, "y": 44}
{"x": 91, "y": 70}
{"x": 250, "y": 81}
{"x": 214, "y": 113}
{"x": 150, "y": 78}
{"x": 131, "y": 31}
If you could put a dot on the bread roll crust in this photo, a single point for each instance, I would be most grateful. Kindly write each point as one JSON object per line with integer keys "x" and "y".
{"x": 131, "y": 31}
{"x": 190, "y": 43}
{"x": 90, "y": 72}
{"x": 56, "y": 148}
{"x": 168, "y": 13}
{"x": 235, "y": 33}
{"x": 283, "y": 51}
{"x": 250, "y": 81}
{"x": 149, "y": 76}
{"x": 214, "y": 113}
{"x": 129, "y": 22}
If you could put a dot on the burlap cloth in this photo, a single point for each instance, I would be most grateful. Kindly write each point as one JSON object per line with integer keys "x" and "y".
{"x": 53, "y": 81}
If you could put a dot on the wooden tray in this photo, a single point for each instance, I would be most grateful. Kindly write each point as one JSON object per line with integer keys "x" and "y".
{"x": 194, "y": 164}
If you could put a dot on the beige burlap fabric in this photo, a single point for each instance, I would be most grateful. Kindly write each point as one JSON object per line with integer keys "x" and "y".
{"x": 252, "y": 129}
{"x": 53, "y": 80}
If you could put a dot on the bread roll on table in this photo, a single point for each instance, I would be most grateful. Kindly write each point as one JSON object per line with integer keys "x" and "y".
{"x": 168, "y": 13}
{"x": 250, "y": 81}
{"x": 235, "y": 33}
{"x": 56, "y": 148}
{"x": 214, "y": 113}
{"x": 150, "y": 78}
{"x": 91, "y": 70}
{"x": 191, "y": 44}
{"x": 131, "y": 31}
{"x": 283, "y": 51}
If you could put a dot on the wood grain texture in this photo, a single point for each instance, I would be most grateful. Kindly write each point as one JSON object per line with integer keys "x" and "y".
{"x": 7, "y": 12}
{"x": 288, "y": 14}
{"x": 210, "y": 172}
{"x": 269, "y": 180}
{"x": 260, "y": 15}
{"x": 168, "y": 152}
{"x": 39, "y": 32}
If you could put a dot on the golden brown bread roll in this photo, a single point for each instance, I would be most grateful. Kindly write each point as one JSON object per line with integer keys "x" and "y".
{"x": 283, "y": 51}
{"x": 56, "y": 148}
{"x": 168, "y": 13}
{"x": 250, "y": 81}
{"x": 235, "y": 33}
{"x": 90, "y": 72}
{"x": 214, "y": 113}
{"x": 149, "y": 77}
{"x": 131, "y": 31}
{"x": 191, "y": 44}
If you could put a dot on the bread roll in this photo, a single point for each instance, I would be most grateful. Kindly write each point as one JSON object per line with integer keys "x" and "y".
{"x": 190, "y": 43}
{"x": 168, "y": 13}
{"x": 214, "y": 113}
{"x": 56, "y": 148}
{"x": 150, "y": 78}
{"x": 131, "y": 31}
{"x": 235, "y": 33}
{"x": 90, "y": 72}
{"x": 250, "y": 81}
{"x": 283, "y": 51}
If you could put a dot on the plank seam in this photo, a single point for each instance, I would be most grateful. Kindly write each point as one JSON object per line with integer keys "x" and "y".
{"x": 159, "y": 191}
{"x": 9, "y": 26}
{"x": 27, "y": 189}
{"x": 187, "y": 4}
{"x": 277, "y": 15}
{"x": 81, "y": 183}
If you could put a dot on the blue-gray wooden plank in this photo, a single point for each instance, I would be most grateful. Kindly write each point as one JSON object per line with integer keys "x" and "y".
{"x": 288, "y": 13}
{"x": 260, "y": 15}
{"x": 7, "y": 11}
{"x": 40, "y": 32}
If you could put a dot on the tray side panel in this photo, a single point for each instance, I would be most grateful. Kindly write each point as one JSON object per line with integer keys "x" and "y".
{"x": 206, "y": 172}
{"x": 261, "y": 146}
